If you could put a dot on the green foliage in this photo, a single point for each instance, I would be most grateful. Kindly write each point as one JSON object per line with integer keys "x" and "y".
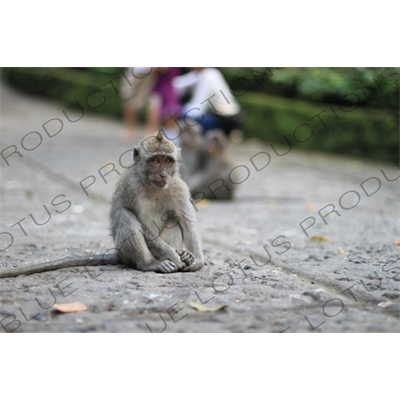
{"x": 369, "y": 87}
{"x": 93, "y": 89}
{"x": 357, "y": 131}
{"x": 348, "y": 110}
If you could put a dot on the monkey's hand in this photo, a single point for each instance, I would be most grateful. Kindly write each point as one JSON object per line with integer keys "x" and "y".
{"x": 165, "y": 266}
{"x": 186, "y": 257}
{"x": 190, "y": 261}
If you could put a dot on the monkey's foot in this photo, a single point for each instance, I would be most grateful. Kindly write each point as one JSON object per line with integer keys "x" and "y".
{"x": 195, "y": 266}
{"x": 165, "y": 266}
{"x": 186, "y": 257}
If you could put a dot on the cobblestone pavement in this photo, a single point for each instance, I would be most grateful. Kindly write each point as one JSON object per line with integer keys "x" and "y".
{"x": 310, "y": 243}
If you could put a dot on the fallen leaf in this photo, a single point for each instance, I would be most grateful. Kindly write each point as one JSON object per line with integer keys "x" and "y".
{"x": 201, "y": 308}
{"x": 310, "y": 206}
{"x": 384, "y": 304}
{"x": 203, "y": 203}
{"x": 319, "y": 239}
{"x": 70, "y": 307}
{"x": 396, "y": 242}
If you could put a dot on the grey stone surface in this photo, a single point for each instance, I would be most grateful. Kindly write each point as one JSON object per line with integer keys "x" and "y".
{"x": 269, "y": 272}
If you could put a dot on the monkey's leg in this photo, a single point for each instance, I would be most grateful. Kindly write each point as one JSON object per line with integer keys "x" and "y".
{"x": 134, "y": 251}
{"x": 132, "y": 246}
{"x": 194, "y": 266}
{"x": 172, "y": 236}
{"x": 192, "y": 239}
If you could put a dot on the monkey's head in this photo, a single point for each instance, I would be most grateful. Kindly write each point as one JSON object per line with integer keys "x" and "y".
{"x": 158, "y": 158}
{"x": 216, "y": 142}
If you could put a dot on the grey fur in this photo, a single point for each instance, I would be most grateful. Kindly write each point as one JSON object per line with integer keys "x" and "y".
{"x": 214, "y": 180}
{"x": 67, "y": 262}
{"x": 154, "y": 228}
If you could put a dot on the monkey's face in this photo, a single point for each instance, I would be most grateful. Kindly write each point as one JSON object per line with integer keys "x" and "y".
{"x": 161, "y": 169}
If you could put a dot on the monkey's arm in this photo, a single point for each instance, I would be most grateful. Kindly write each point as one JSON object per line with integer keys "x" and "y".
{"x": 160, "y": 248}
{"x": 68, "y": 262}
{"x": 140, "y": 246}
{"x": 191, "y": 237}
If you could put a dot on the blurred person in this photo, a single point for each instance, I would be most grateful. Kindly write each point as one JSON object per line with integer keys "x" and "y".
{"x": 152, "y": 88}
{"x": 211, "y": 103}
{"x": 136, "y": 94}
{"x": 169, "y": 108}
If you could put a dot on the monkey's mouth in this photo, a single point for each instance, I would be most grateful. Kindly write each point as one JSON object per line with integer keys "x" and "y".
{"x": 161, "y": 184}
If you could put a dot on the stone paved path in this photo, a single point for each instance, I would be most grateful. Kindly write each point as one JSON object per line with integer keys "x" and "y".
{"x": 263, "y": 262}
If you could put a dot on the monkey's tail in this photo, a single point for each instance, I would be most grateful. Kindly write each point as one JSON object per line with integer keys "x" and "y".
{"x": 68, "y": 262}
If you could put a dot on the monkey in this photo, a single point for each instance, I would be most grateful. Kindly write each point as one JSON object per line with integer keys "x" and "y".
{"x": 152, "y": 219}
{"x": 194, "y": 153}
{"x": 214, "y": 180}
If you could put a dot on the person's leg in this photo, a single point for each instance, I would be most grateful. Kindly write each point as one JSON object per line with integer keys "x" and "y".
{"x": 130, "y": 122}
{"x": 209, "y": 121}
{"x": 153, "y": 114}
{"x": 231, "y": 123}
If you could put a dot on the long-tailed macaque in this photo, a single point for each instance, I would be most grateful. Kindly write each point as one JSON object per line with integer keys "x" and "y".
{"x": 153, "y": 222}
{"x": 214, "y": 180}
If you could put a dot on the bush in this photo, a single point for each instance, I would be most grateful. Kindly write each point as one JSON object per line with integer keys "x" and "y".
{"x": 342, "y": 127}
{"x": 357, "y": 131}
{"x": 369, "y": 87}
{"x": 86, "y": 86}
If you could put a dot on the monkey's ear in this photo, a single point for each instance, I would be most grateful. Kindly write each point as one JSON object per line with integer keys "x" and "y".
{"x": 135, "y": 155}
{"x": 178, "y": 152}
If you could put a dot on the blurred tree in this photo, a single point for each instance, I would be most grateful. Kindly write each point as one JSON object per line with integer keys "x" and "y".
{"x": 372, "y": 87}
{"x": 360, "y": 106}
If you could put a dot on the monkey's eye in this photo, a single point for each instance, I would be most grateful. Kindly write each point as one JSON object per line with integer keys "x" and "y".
{"x": 155, "y": 161}
{"x": 169, "y": 161}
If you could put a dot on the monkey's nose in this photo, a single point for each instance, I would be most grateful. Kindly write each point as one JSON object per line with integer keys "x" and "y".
{"x": 163, "y": 174}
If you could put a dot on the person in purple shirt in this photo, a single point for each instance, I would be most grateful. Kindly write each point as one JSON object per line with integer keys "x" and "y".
{"x": 151, "y": 87}
{"x": 169, "y": 106}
